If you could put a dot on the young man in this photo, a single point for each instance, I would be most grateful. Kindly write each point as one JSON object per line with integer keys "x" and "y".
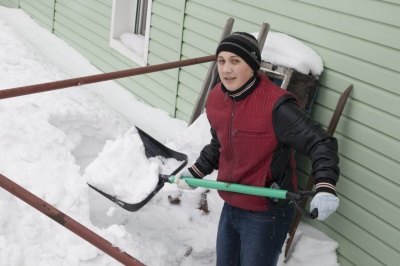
{"x": 255, "y": 128}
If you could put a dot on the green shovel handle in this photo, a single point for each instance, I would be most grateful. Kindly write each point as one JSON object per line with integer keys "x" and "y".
{"x": 250, "y": 190}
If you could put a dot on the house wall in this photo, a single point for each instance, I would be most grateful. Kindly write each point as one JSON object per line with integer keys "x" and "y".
{"x": 166, "y": 46}
{"x": 85, "y": 25}
{"x": 359, "y": 42}
{"x": 10, "y": 3}
{"x": 41, "y": 10}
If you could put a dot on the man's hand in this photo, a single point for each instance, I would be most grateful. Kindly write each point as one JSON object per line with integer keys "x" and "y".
{"x": 181, "y": 183}
{"x": 326, "y": 203}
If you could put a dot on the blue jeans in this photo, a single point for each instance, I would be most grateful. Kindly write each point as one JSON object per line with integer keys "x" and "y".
{"x": 249, "y": 238}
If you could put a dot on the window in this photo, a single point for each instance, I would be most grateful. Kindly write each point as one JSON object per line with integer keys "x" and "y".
{"x": 130, "y": 26}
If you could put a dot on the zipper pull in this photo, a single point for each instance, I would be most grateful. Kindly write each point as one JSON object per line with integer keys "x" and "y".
{"x": 234, "y": 132}
{"x": 226, "y": 96}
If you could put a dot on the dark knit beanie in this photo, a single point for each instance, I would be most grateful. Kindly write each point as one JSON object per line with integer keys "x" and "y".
{"x": 244, "y": 45}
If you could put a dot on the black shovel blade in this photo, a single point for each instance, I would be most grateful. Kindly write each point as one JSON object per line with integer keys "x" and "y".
{"x": 152, "y": 148}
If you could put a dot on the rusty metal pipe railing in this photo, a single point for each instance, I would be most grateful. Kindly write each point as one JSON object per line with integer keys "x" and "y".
{"x": 68, "y": 222}
{"x": 37, "y": 88}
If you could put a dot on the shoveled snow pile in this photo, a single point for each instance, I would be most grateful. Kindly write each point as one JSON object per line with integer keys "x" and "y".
{"x": 130, "y": 177}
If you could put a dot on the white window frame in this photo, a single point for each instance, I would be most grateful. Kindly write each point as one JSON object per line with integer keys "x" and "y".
{"x": 124, "y": 14}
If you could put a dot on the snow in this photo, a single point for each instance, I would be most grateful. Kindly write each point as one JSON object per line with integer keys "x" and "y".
{"x": 284, "y": 50}
{"x": 132, "y": 177}
{"x": 134, "y": 42}
{"x": 53, "y": 143}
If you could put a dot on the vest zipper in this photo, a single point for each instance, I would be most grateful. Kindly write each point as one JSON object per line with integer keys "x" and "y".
{"x": 230, "y": 143}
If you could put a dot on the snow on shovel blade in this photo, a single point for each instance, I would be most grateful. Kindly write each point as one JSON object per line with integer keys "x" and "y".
{"x": 152, "y": 148}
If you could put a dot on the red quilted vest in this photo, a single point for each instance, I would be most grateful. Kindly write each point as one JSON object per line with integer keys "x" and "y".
{"x": 245, "y": 132}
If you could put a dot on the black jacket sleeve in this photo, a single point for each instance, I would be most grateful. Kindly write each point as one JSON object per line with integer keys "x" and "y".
{"x": 208, "y": 160}
{"x": 296, "y": 129}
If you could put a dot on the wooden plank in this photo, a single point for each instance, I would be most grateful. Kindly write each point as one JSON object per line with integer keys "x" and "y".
{"x": 364, "y": 156}
{"x": 173, "y": 4}
{"x": 170, "y": 74}
{"x": 380, "y": 94}
{"x": 165, "y": 80}
{"x": 198, "y": 42}
{"x": 190, "y": 86}
{"x": 378, "y": 249}
{"x": 39, "y": 4}
{"x": 220, "y": 11}
{"x": 363, "y": 134}
{"x": 360, "y": 176}
{"x": 190, "y": 51}
{"x": 347, "y": 248}
{"x": 108, "y": 55}
{"x": 196, "y": 28}
{"x": 346, "y": 71}
{"x": 85, "y": 47}
{"x": 165, "y": 11}
{"x": 379, "y": 52}
{"x": 84, "y": 12}
{"x": 203, "y": 10}
{"x": 165, "y": 39}
{"x": 165, "y": 25}
{"x": 188, "y": 94}
{"x": 379, "y": 11}
{"x": 40, "y": 12}
{"x": 370, "y": 201}
{"x": 150, "y": 84}
{"x": 168, "y": 55}
{"x": 215, "y": 19}
{"x": 198, "y": 71}
{"x": 149, "y": 96}
{"x": 355, "y": 179}
{"x": 363, "y": 113}
{"x": 107, "y": 3}
{"x": 183, "y": 106}
{"x": 87, "y": 7}
{"x": 371, "y": 181}
{"x": 332, "y": 20}
{"x": 391, "y": 1}
{"x": 346, "y": 53}
{"x": 367, "y": 220}
{"x": 182, "y": 116}
{"x": 84, "y": 27}
{"x": 10, "y": 3}
{"x": 344, "y": 261}
{"x": 348, "y": 48}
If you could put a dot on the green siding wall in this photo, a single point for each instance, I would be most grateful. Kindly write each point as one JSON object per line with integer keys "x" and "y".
{"x": 86, "y": 27}
{"x": 165, "y": 46}
{"x": 41, "y": 10}
{"x": 10, "y": 3}
{"x": 359, "y": 42}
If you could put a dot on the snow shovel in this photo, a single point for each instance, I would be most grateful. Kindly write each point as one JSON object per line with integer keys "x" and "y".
{"x": 152, "y": 148}
{"x": 251, "y": 190}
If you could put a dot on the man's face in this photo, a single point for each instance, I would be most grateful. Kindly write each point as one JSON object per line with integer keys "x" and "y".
{"x": 233, "y": 70}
